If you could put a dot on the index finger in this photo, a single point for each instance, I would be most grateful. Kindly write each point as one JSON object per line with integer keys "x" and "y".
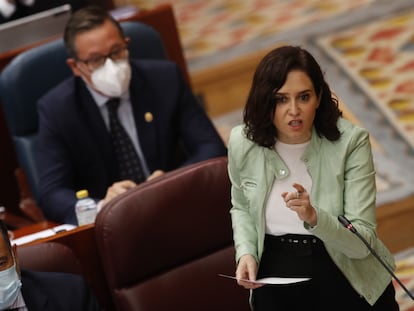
{"x": 299, "y": 187}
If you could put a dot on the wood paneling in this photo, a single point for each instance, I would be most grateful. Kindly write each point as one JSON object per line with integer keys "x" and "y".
{"x": 224, "y": 87}
{"x": 395, "y": 224}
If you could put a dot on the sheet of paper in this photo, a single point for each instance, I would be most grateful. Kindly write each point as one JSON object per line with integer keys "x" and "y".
{"x": 272, "y": 280}
{"x": 42, "y": 234}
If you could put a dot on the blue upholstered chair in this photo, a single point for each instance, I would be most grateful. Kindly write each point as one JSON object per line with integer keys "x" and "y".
{"x": 34, "y": 72}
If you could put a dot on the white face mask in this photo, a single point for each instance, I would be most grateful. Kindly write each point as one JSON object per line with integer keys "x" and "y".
{"x": 112, "y": 79}
{"x": 9, "y": 286}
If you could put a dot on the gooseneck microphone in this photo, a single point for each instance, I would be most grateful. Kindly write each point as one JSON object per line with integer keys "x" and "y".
{"x": 347, "y": 224}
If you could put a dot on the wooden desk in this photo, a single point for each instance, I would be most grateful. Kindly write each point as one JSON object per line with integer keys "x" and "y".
{"x": 14, "y": 221}
{"x": 33, "y": 228}
{"x": 82, "y": 242}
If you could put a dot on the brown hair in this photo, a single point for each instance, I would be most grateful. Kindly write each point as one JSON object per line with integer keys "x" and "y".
{"x": 85, "y": 19}
{"x": 269, "y": 77}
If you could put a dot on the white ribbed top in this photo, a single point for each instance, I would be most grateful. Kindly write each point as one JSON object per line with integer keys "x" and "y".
{"x": 279, "y": 218}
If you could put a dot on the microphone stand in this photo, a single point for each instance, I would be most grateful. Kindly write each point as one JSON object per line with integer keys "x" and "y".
{"x": 347, "y": 224}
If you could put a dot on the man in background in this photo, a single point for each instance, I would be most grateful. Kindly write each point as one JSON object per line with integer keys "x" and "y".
{"x": 24, "y": 290}
{"x": 116, "y": 122}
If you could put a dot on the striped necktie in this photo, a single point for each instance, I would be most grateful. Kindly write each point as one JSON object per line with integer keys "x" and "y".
{"x": 129, "y": 165}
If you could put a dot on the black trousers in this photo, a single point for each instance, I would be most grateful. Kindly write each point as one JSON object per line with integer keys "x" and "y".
{"x": 305, "y": 256}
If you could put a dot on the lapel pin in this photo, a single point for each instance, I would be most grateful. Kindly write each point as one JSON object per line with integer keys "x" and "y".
{"x": 148, "y": 117}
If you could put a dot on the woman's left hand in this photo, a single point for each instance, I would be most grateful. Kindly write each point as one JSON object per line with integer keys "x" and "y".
{"x": 299, "y": 202}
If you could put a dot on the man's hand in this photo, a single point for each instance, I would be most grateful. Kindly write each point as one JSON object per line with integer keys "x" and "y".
{"x": 122, "y": 186}
{"x": 155, "y": 174}
{"x": 117, "y": 189}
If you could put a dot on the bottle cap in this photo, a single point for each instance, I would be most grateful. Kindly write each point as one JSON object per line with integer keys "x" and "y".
{"x": 82, "y": 194}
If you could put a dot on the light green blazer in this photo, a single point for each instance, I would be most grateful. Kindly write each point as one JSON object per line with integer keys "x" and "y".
{"x": 343, "y": 183}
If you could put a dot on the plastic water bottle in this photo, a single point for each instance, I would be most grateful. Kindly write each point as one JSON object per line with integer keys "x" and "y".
{"x": 85, "y": 208}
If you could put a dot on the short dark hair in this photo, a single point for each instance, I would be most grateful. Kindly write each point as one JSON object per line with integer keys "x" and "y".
{"x": 86, "y": 19}
{"x": 5, "y": 234}
{"x": 269, "y": 77}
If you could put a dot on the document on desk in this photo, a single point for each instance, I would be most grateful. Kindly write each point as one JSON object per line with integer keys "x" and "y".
{"x": 270, "y": 281}
{"x": 42, "y": 234}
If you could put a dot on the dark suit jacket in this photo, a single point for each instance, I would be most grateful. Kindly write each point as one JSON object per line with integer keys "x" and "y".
{"x": 47, "y": 291}
{"x": 74, "y": 148}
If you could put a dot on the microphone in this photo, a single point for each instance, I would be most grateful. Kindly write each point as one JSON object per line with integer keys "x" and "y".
{"x": 347, "y": 224}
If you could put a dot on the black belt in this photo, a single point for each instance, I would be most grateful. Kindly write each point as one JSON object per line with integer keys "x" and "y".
{"x": 290, "y": 255}
{"x": 292, "y": 240}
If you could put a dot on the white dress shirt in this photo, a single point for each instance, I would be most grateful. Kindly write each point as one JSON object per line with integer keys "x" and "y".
{"x": 19, "y": 303}
{"x": 126, "y": 117}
